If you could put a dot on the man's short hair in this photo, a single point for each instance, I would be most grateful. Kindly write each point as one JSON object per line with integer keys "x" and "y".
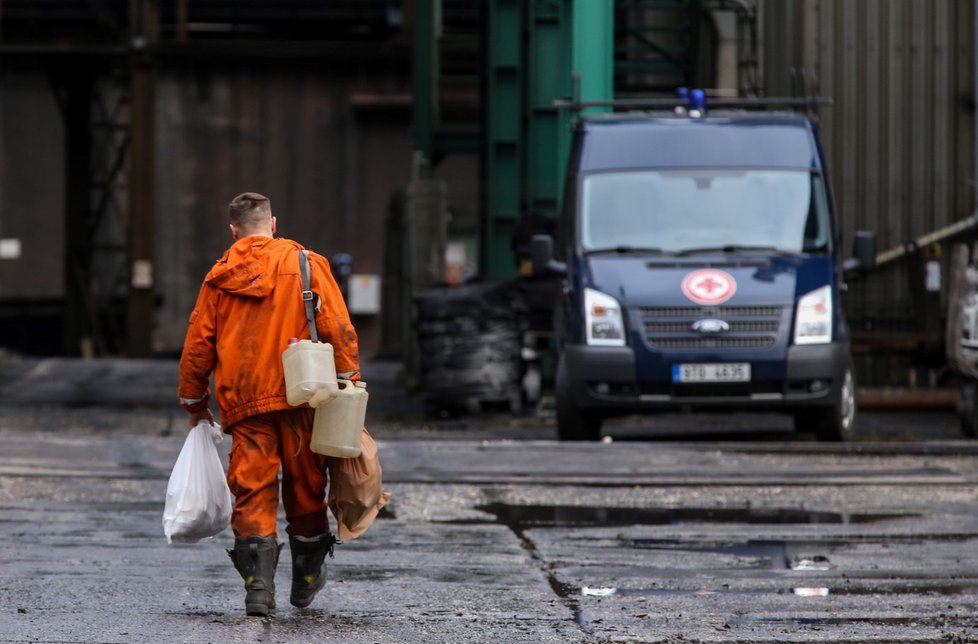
{"x": 249, "y": 209}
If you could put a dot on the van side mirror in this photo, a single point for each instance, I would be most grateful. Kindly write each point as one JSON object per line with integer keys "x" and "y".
{"x": 863, "y": 252}
{"x": 542, "y": 254}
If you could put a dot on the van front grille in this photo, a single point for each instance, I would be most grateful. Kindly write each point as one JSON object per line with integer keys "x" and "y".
{"x": 712, "y": 343}
{"x": 653, "y": 329}
{"x": 744, "y": 327}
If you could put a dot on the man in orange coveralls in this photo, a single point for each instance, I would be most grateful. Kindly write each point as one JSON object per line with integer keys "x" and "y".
{"x": 249, "y": 305}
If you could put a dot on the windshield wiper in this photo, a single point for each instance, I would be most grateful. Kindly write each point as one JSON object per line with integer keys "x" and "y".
{"x": 627, "y": 250}
{"x": 736, "y": 248}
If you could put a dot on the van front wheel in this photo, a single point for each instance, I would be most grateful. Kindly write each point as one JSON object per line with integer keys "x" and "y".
{"x": 836, "y": 422}
{"x": 573, "y": 423}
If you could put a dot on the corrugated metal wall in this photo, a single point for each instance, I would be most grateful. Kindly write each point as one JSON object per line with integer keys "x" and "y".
{"x": 32, "y": 185}
{"x": 329, "y": 149}
{"x": 899, "y": 137}
{"x": 328, "y": 166}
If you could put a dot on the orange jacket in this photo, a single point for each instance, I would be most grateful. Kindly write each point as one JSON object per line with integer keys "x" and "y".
{"x": 248, "y": 307}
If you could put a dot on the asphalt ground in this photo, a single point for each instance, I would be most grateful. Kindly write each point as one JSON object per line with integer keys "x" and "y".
{"x": 678, "y": 529}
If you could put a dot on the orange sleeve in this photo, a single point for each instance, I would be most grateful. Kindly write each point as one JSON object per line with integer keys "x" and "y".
{"x": 333, "y": 319}
{"x": 199, "y": 351}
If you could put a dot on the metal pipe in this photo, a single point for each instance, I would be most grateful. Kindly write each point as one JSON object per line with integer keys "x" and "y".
{"x": 925, "y": 240}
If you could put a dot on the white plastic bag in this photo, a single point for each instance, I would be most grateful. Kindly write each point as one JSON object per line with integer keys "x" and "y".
{"x": 198, "y": 500}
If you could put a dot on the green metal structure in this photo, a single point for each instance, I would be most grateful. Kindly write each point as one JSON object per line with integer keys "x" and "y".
{"x": 534, "y": 52}
{"x": 503, "y": 129}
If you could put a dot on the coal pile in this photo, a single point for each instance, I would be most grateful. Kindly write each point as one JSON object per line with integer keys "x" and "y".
{"x": 469, "y": 341}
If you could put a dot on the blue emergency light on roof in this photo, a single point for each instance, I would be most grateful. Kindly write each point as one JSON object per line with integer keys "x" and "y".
{"x": 682, "y": 95}
{"x": 697, "y": 100}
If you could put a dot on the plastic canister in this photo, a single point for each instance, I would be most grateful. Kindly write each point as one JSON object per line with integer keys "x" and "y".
{"x": 338, "y": 425}
{"x": 309, "y": 371}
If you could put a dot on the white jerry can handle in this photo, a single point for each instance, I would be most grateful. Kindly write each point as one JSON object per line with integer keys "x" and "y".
{"x": 325, "y": 395}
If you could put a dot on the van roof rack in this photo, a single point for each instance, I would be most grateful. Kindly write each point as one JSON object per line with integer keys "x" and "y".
{"x": 810, "y": 104}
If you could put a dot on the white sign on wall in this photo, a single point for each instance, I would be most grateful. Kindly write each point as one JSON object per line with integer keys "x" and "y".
{"x": 363, "y": 294}
{"x": 10, "y": 248}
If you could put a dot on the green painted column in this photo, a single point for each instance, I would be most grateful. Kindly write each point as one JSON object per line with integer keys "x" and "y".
{"x": 588, "y": 71}
{"x": 546, "y": 21}
{"x": 533, "y": 49}
{"x": 502, "y": 162}
{"x": 593, "y": 55}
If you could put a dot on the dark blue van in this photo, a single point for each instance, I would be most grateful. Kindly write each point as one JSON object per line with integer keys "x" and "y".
{"x": 700, "y": 261}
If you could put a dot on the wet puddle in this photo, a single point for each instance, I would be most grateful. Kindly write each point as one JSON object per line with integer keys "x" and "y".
{"x": 807, "y": 562}
{"x": 764, "y": 554}
{"x": 532, "y": 516}
{"x": 844, "y": 621}
{"x": 567, "y": 590}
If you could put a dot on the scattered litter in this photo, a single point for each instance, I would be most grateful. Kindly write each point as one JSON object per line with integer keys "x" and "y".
{"x": 810, "y": 563}
{"x": 811, "y": 592}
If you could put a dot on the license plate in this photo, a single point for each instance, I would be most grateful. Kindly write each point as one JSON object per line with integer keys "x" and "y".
{"x": 711, "y": 372}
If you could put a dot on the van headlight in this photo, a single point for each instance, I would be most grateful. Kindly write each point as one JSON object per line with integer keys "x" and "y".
{"x": 813, "y": 317}
{"x": 602, "y": 319}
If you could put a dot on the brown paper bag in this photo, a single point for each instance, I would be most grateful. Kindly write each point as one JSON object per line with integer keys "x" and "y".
{"x": 356, "y": 490}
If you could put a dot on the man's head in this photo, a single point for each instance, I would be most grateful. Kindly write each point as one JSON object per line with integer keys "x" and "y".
{"x": 251, "y": 214}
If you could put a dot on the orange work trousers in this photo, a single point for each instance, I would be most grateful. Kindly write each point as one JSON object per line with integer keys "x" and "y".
{"x": 260, "y": 445}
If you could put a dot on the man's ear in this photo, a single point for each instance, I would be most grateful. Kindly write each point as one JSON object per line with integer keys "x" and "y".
{"x": 234, "y": 232}
{"x": 273, "y": 224}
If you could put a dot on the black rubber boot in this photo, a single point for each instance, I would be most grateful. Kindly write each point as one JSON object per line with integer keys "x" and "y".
{"x": 309, "y": 565}
{"x": 255, "y": 558}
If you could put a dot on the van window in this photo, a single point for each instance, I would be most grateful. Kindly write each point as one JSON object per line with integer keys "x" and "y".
{"x": 677, "y": 210}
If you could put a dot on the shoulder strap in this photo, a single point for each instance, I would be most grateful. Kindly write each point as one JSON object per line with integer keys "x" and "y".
{"x": 307, "y": 296}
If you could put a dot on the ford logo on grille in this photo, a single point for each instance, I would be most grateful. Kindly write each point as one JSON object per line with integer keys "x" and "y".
{"x": 710, "y": 326}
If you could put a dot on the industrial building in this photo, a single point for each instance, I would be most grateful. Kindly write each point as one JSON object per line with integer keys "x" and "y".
{"x": 415, "y": 141}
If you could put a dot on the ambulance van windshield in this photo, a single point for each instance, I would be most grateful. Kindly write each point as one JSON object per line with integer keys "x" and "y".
{"x": 691, "y": 210}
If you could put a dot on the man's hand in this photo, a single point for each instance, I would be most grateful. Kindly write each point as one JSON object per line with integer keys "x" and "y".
{"x": 197, "y": 416}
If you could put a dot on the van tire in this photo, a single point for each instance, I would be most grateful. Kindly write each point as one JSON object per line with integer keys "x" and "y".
{"x": 835, "y": 422}
{"x": 573, "y": 423}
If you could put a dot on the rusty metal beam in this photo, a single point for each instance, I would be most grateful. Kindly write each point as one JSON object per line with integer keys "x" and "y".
{"x": 77, "y": 87}
{"x": 182, "y": 13}
{"x": 906, "y": 398}
{"x": 142, "y": 174}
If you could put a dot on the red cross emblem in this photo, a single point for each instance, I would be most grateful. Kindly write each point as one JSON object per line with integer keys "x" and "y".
{"x": 709, "y": 286}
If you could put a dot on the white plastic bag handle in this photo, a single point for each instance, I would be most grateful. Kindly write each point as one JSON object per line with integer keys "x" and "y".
{"x": 198, "y": 500}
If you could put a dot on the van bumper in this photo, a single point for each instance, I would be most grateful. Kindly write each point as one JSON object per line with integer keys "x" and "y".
{"x": 604, "y": 378}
